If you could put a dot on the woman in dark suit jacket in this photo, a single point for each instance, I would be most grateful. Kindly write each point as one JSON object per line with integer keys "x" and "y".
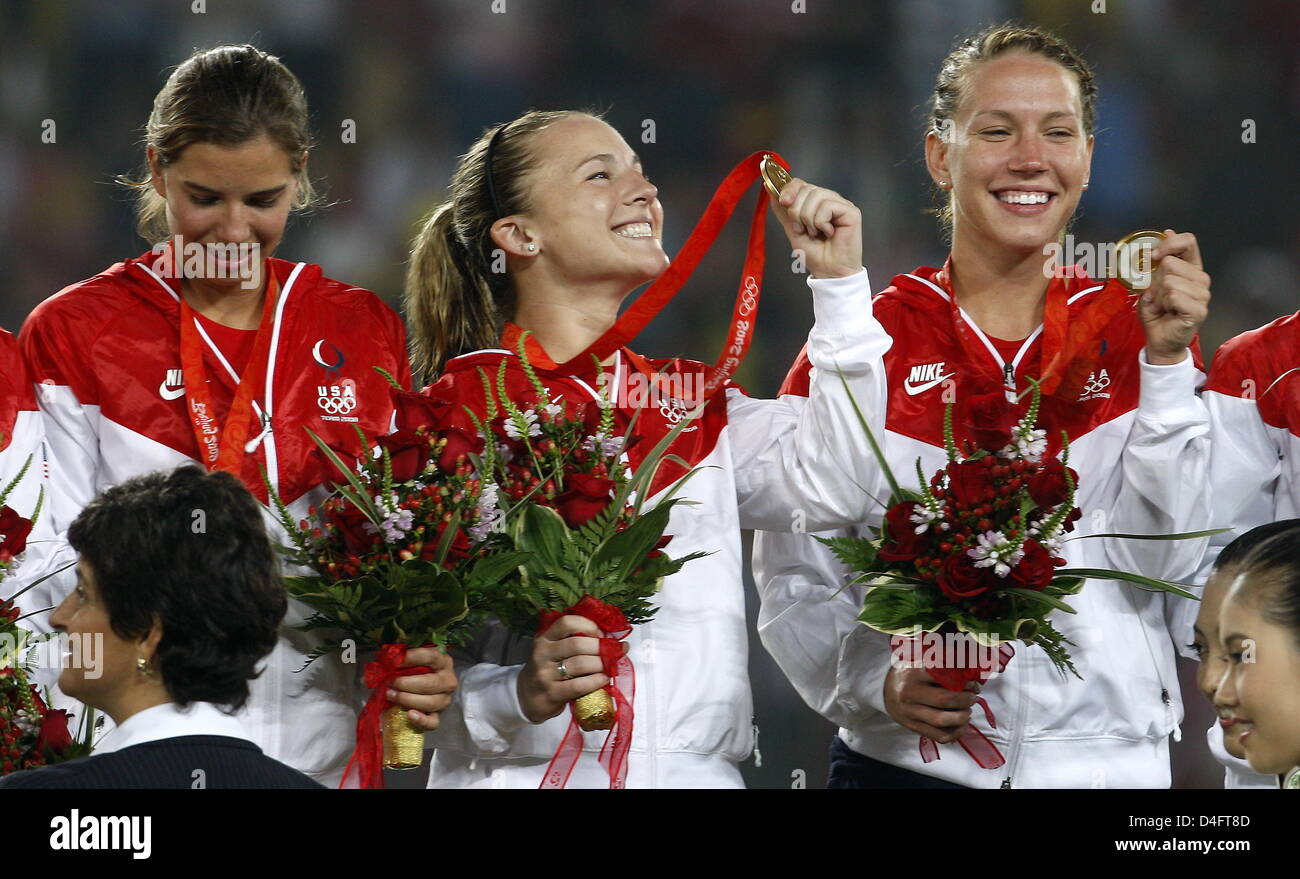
{"x": 178, "y": 598}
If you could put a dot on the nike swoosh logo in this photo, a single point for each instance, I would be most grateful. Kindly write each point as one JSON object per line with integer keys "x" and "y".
{"x": 170, "y": 393}
{"x": 922, "y": 388}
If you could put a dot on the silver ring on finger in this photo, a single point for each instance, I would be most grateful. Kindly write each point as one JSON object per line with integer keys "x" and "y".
{"x": 564, "y": 672}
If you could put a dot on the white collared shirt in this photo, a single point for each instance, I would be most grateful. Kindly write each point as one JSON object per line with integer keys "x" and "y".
{"x": 168, "y": 721}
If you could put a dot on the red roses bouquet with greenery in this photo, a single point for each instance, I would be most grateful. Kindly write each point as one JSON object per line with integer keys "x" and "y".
{"x": 591, "y": 548}
{"x": 31, "y": 733}
{"x": 406, "y": 552}
{"x": 972, "y": 561}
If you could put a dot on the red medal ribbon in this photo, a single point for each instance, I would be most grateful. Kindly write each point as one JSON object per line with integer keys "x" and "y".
{"x": 661, "y": 292}
{"x": 218, "y": 449}
{"x": 1070, "y": 349}
{"x": 622, "y": 688}
{"x": 367, "y": 762}
{"x": 955, "y": 678}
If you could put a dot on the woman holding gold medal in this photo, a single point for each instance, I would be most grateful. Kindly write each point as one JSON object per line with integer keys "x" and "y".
{"x": 563, "y": 198}
{"x": 206, "y": 348}
{"x": 1010, "y": 147}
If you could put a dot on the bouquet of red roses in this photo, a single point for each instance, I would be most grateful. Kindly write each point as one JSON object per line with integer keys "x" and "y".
{"x": 406, "y": 552}
{"x": 31, "y": 733}
{"x": 972, "y": 562}
{"x": 592, "y": 549}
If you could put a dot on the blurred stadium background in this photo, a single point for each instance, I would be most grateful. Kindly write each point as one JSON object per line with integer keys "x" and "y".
{"x": 839, "y": 89}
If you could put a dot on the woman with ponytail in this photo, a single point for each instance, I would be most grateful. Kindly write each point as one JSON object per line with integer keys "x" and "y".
{"x": 550, "y": 224}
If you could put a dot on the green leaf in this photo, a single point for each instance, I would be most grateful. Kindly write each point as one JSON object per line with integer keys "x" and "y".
{"x": 856, "y": 553}
{"x": 1182, "y": 535}
{"x": 871, "y": 437}
{"x": 1150, "y": 582}
{"x": 1031, "y": 595}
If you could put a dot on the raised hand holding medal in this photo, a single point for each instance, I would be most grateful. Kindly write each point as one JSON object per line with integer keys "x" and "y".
{"x": 823, "y": 224}
{"x": 1174, "y": 305}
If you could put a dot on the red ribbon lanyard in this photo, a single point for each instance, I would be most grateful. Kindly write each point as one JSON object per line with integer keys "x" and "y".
{"x": 662, "y": 291}
{"x": 218, "y": 449}
{"x": 1070, "y": 348}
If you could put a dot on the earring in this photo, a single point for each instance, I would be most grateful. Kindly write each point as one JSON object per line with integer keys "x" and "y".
{"x": 531, "y": 247}
{"x": 142, "y": 665}
{"x": 1085, "y": 184}
{"x": 945, "y": 184}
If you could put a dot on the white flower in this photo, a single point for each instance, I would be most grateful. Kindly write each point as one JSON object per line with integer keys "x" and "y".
{"x": 487, "y": 512}
{"x": 923, "y": 517}
{"x": 529, "y": 418}
{"x": 996, "y": 552}
{"x": 554, "y": 409}
{"x": 1031, "y": 445}
{"x": 609, "y": 446}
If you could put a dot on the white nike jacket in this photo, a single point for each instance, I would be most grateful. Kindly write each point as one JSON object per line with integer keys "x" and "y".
{"x": 764, "y": 464}
{"x": 1139, "y": 441}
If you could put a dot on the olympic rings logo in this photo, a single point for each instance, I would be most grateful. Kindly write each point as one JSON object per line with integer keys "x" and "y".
{"x": 749, "y": 298}
{"x": 1096, "y": 383}
{"x": 337, "y": 405}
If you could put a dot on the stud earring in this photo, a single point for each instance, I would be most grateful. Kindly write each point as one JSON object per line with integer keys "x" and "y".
{"x": 945, "y": 184}
{"x": 142, "y": 665}
{"x": 1085, "y": 184}
{"x": 531, "y": 247}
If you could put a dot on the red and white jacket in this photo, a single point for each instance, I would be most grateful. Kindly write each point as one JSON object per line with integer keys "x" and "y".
{"x": 1253, "y": 397}
{"x": 22, "y": 445}
{"x": 105, "y": 356}
{"x": 764, "y": 464}
{"x": 1139, "y": 441}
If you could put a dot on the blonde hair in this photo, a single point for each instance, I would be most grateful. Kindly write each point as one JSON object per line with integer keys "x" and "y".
{"x": 455, "y": 301}
{"x": 228, "y": 95}
{"x": 949, "y": 87}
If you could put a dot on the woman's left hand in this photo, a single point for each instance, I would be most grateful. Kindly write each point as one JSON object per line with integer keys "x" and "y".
{"x": 427, "y": 694}
{"x": 1175, "y": 305}
{"x": 824, "y": 225}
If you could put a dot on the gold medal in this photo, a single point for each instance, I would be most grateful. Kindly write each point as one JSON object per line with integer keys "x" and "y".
{"x": 774, "y": 176}
{"x": 1133, "y": 266}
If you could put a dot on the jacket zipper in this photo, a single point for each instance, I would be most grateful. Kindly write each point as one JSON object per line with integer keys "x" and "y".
{"x": 1017, "y": 734}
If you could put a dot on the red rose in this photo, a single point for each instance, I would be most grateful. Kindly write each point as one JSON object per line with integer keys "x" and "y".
{"x": 1047, "y": 487}
{"x": 458, "y": 443}
{"x": 54, "y": 735}
{"x": 970, "y": 483}
{"x": 1035, "y": 568}
{"x": 585, "y": 499}
{"x": 458, "y": 551}
{"x": 13, "y": 533}
{"x": 350, "y": 523}
{"x": 960, "y": 579}
{"x": 989, "y": 420}
{"x": 418, "y": 410}
{"x": 903, "y": 543}
{"x": 1074, "y": 515}
{"x": 409, "y": 452}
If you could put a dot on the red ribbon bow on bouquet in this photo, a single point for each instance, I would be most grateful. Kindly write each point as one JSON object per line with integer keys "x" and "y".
{"x": 368, "y": 756}
{"x": 955, "y": 677}
{"x": 617, "y": 667}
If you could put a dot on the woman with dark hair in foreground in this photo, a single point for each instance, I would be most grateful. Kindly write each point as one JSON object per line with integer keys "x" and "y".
{"x": 178, "y": 599}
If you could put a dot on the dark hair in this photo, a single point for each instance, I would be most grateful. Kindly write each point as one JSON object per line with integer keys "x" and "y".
{"x": 455, "y": 302}
{"x": 1234, "y": 552}
{"x": 950, "y": 85}
{"x": 189, "y": 550}
{"x": 1270, "y": 577}
{"x": 226, "y": 96}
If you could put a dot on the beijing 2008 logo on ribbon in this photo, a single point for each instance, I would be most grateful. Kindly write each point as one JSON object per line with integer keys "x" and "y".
{"x": 337, "y": 401}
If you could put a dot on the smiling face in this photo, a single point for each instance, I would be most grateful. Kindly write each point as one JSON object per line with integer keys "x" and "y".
{"x": 1214, "y": 661}
{"x": 228, "y": 195}
{"x": 1258, "y": 689}
{"x": 592, "y": 213}
{"x": 1016, "y": 154}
